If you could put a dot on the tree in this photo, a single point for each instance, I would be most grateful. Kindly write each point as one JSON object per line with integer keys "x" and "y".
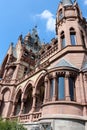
{"x": 10, "y": 125}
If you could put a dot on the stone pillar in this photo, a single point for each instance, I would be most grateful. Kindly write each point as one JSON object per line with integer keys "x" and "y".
{"x": 67, "y": 36}
{"x": 85, "y": 86}
{"x": 34, "y": 101}
{"x": 59, "y": 40}
{"x": 78, "y": 90}
{"x": 22, "y": 107}
{"x": 55, "y": 87}
{"x": 67, "y": 95}
{"x": 82, "y": 88}
{"x": 13, "y": 108}
{"x": 46, "y": 89}
{"x": 78, "y": 36}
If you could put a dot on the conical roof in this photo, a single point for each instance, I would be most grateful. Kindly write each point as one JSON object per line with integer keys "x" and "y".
{"x": 67, "y": 2}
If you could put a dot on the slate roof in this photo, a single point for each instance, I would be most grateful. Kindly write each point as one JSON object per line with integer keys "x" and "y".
{"x": 84, "y": 67}
{"x": 67, "y": 2}
{"x": 64, "y": 63}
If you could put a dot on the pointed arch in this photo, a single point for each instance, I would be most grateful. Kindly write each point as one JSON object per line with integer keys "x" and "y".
{"x": 27, "y": 97}
{"x": 5, "y": 101}
{"x": 39, "y": 92}
{"x": 17, "y": 101}
{"x": 38, "y": 79}
{"x": 29, "y": 82}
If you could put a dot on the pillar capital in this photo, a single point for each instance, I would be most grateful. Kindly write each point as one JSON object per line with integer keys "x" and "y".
{"x": 54, "y": 75}
{"x": 46, "y": 78}
{"x": 67, "y": 74}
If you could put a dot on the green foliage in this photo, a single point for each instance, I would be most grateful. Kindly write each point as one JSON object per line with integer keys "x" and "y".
{"x": 10, "y": 125}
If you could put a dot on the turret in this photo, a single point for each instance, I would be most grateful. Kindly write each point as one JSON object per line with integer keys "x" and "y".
{"x": 70, "y": 25}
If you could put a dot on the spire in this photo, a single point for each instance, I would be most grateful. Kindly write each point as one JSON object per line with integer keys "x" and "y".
{"x": 67, "y": 2}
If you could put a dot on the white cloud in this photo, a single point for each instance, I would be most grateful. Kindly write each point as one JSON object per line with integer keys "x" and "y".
{"x": 50, "y": 21}
{"x": 85, "y": 2}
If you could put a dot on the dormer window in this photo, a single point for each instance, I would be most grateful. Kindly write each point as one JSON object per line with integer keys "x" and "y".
{"x": 60, "y": 14}
{"x": 72, "y": 36}
{"x": 63, "y": 43}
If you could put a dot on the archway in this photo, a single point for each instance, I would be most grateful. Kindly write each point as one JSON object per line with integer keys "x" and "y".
{"x": 5, "y": 102}
{"x": 18, "y": 102}
{"x": 28, "y": 99}
{"x": 40, "y": 89}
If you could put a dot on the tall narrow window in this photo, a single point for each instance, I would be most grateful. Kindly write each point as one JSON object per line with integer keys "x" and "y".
{"x": 60, "y": 14}
{"x": 51, "y": 88}
{"x": 61, "y": 91}
{"x": 72, "y": 36}
{"x": 63, "y": 42}
{"x": 72, "y": 88}
{"x": 83, "y": 39}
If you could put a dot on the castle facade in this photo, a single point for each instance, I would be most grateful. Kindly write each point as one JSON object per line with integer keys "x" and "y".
{"x": 44, "y": 86}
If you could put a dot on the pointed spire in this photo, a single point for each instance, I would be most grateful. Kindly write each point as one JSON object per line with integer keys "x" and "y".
{"x": 67, "y": 2}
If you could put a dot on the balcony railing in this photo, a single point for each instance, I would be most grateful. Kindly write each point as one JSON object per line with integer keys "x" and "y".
{"x": 27, "y": 117}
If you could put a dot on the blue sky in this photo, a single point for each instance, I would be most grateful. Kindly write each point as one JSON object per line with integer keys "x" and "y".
{"x": 20, "y": 16}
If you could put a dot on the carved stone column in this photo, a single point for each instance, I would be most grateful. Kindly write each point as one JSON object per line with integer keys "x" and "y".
{"x": 13, "y": 108}
{"x": 46, "y": 89}
{"x": 22, "y": 107}
{"x": 85, "y": 86}
{"x": 82, "y": 88}
{"x": 55, "y": 87}
{"x": 78, "y": 90}
{"x": 34, "y": 101}
{"x": 67, "y": 94}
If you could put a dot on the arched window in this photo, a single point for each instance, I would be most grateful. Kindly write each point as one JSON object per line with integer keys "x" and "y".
{"x": 61, "y": 88}
{"x": 72, "y": 36}
{"x": 63, "y": 42}
{"x": 60, "y": 14}
{"x": 83, "y": 39}
{"x": 4, "y": 102}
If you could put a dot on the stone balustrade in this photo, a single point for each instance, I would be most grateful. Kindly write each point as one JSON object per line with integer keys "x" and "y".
{"x": 27, "y": 117}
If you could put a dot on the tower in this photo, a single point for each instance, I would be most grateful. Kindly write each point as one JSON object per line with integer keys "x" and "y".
{"x": 70, "y": 25}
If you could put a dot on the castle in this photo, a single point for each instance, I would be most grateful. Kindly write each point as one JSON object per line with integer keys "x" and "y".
{"x": 44, "y": 86}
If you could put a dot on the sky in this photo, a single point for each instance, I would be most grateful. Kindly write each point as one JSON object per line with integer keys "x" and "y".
{"x": 21, "y": 16}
